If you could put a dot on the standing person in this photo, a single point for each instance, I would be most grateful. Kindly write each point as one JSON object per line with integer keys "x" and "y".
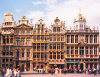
{"x": 90, "y": 71}
{"x": 56, "y": 71}
{"x": 52, "y": 71}
{"x": 3, "y": 72}
{"x": 60, "y": 71}
{"x": 7, "y": 73}
{"x": 94, "y": 71}
{"x": 10, "y": 72}
{"x": 18, "y": 73}
{"x": 14, "y": 71}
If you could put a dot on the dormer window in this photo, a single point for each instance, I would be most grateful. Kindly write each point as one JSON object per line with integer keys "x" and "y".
{"x": 54, "y": 29}
{"x": 23, "y": 31}
{"x": 81, "y": 26}
{"x": 8, "y": 23}
{"x": 17, "y": 32}
{"x": 58, "y": 29}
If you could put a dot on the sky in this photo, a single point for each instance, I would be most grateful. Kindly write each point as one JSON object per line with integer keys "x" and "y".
{"x": 48, "y": 10}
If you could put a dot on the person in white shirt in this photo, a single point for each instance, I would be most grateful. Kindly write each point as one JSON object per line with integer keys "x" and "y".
{"x": 10, "y": 72}
{"x": 7, "y": 73}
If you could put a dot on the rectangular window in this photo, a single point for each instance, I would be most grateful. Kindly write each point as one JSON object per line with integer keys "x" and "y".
{"x": 91, "y": 50}
{"x": 72, "y": 49}
{"x": 46, "y": 38}
{"x": 38, "y": 46}
{"x": 42, "y": 46}
{"x": 38, "y": 37}
{"x": 34, "y": 54}
{"x": 76, "y": 50}
{"x": 58, "y": 46}
{"x": 95, "y": 38}
{"x": 42, "y": 37}
{"x": 17, "y": 53}
{"x": 50, "y": 46}
{"x": 46, "y": 46}
{"x": 58, "y": 38}
{"x": 22, "y": 41}
{"x": 4, "y": 40}
{"x": 95, "y": 50}
{"x": 62, "y": 38}
{"x": 42, "y": 55}
{"x": 50, "y": 38}
{"x": 72, "y": 38}
{"x": 54, "y": 46}
{"x": 62, "y": 46}
{"x": 62, "y": 55}
{"x": 54, "y": 29}
{"x": 67, "y": 50}
{"x": 91, "y": 38}
{"x": 11, "y": 50}
{"x": 38, "y": 55}
{"x": 86, "y": 51}
{"x": 28, "y": 52}
{"x": 11, "y": 39}
{"x": 68, "y": 38}
{"x": 50, "y": 55}
{"x": 28, "y": 41}
{"x": 81, "y": 51}
{"x": 34, "y": 37}
{"x": 54, "y": 38}
{"x": 17, "y": 41}
{"x": 58, "y": 29}
{"x": 17, "y": 32}
{"x": 54, "y": 55}
{"x": 58, "y": 55}
{"x": 86, "y": 38}
{"x": 7, "y": 39}
{"x": 34, "y": 46}
{"x": 76, "y": 38}
{"x": 23, "y": 52}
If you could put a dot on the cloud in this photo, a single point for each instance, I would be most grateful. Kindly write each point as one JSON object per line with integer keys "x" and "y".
{"x": 35, "y": 15}
{"x": 45, "y": 2}
{"x": 67, "y": 10}
{"x": 18, "y": 10}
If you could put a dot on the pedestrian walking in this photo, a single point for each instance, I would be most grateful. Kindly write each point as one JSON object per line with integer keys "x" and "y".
{"x": 7, "y": 73}
{"x": 18, "y": 73}
{"x": 3, "y": 72}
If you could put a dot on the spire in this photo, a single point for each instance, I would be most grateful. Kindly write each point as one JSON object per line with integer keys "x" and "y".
{"x": 79, "y": 17}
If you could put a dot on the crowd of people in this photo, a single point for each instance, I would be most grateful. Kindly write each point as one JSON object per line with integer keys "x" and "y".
{"x": 15, "y": 72}
{"x": 8, "y": 72}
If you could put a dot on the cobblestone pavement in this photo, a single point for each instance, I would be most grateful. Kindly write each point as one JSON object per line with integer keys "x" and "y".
{"x": 63, "y": 75}
{"x": 30, "y": 74}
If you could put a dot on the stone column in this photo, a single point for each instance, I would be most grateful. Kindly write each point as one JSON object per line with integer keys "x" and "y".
{"x": 84, "y": 66}
{"x": 31, "y": 66}
{"x": 25, "y": 66}
{"x": 89, "y": 66}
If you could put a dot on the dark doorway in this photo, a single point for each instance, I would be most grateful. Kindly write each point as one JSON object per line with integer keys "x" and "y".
{"x": 81, "y": 66}
{"x": 27, "y": 66}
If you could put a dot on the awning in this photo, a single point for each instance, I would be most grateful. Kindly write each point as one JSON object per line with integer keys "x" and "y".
{"x": 72, "y": 62}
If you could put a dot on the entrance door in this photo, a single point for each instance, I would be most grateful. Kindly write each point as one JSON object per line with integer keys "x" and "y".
{"x": 81, "y": 66}
{"x": 22, "y": 68}
{"x": 27, "y": 66}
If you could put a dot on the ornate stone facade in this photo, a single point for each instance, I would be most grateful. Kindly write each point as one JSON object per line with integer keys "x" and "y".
{"x": 28, "y": 47}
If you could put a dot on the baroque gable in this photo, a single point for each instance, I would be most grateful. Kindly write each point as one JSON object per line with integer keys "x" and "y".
{"x": 23, "y": 26}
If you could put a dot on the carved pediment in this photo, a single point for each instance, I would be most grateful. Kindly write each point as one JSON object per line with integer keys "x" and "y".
{"x": 23, "y": 26}
{"x": 82, "y": 42}
{"x": 8, "y": 32}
